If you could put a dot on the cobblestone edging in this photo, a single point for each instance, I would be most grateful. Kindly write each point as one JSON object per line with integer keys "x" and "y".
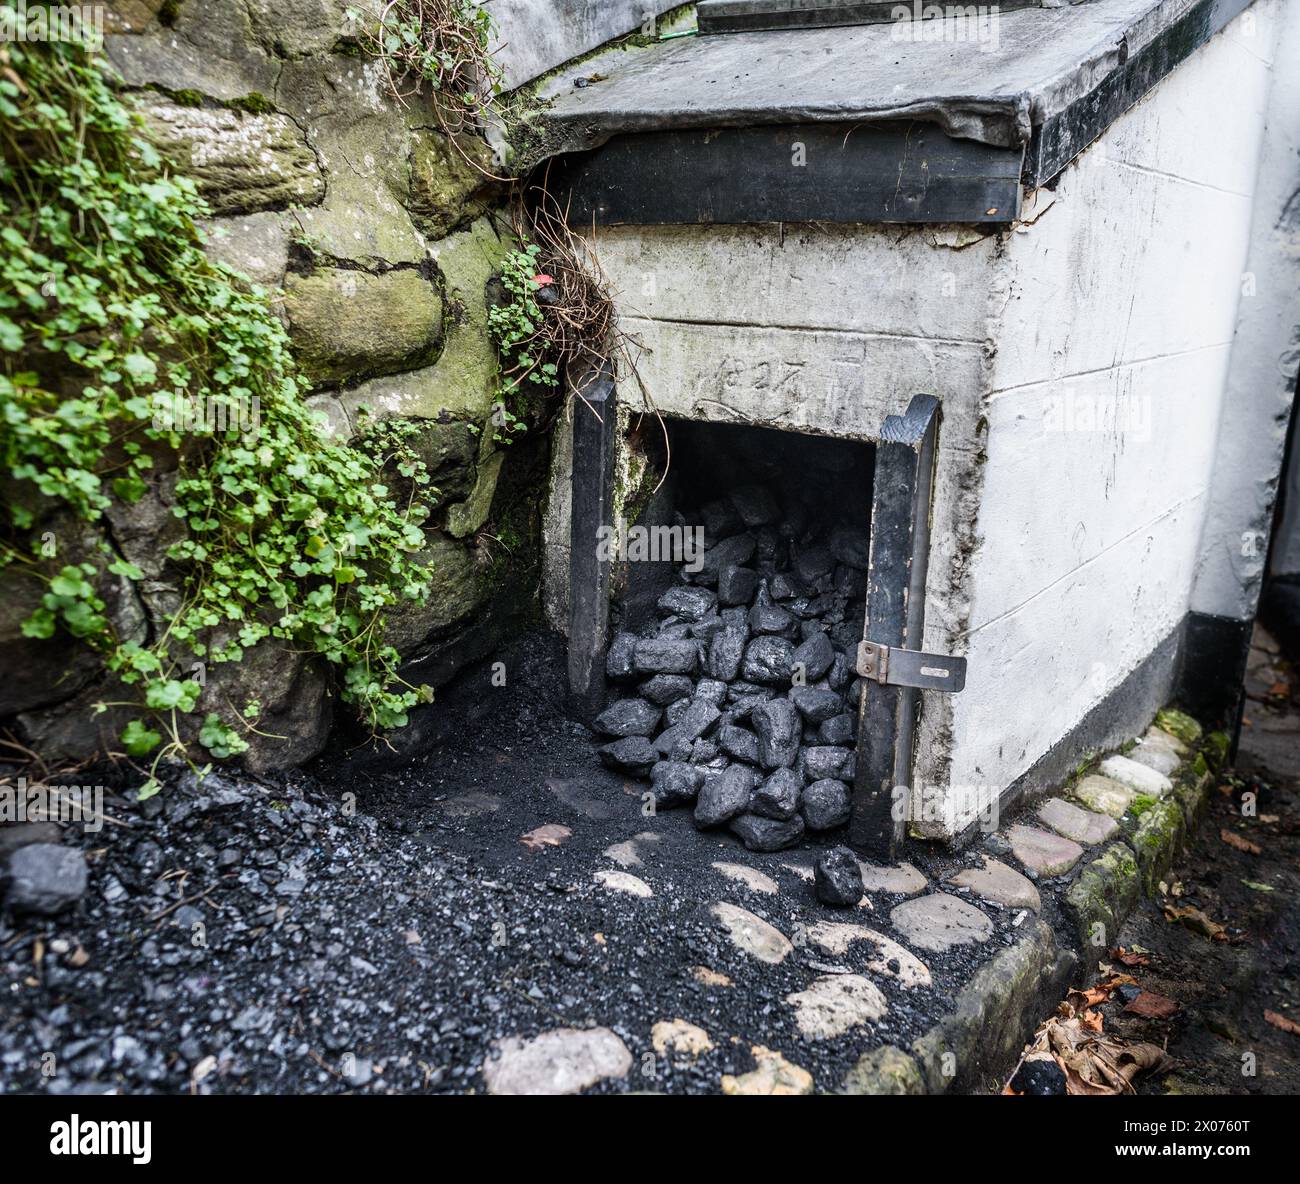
{"x": 996, "y": 1011}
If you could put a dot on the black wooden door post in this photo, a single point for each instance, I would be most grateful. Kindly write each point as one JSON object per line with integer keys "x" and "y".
{"x": 900, "y": 544}
{"x": 595, "y": 420}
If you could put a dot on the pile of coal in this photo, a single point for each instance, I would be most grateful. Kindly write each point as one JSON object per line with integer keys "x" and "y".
{"x": 741, "y": 700}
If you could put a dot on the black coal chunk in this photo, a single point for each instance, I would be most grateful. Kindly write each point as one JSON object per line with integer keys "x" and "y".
{"x": 738, "y": 549}
{"x": 839, "y": 729}
{"x": 767, "y": 834}
{"x": 676, "y": 740}
{"x": 814, "y": 656}
{"x": 838, "y": 877}
{"x": 767, "y": 659}
{"x": 724, "y": 795}
{"x": 659, "y": 655}
{"x": 628, "y": 717}
{"x": 736, "y": 584}
{"x": 1040, "y": 1077}
{"x": 812, "y": 563}
{"x": 675, "y": 783}
{"x": 824, "y": 760}
{"x": 851, "y": 547}
{"x": 825, "y": 804}
{"x": 778, "y": 796}
{"x": 688, "y": 602}
{"x": 755, "y": 505}
{"x": 815, "y": 704}
{"x": 726, "y": 650}
{"x": 666, "y": 688}
{"x": 738, "y": 742}
{"x": 777, "y": 724}
{"x": 635, "y": 755}
{"x": 771, "y": 618}
{"x": 45, "y": 879}
{"x": 619, "y": 656}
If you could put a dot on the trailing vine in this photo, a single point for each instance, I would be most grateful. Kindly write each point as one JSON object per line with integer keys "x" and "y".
{"x": 442, "y": 47}
{"x": 111, "y": 320}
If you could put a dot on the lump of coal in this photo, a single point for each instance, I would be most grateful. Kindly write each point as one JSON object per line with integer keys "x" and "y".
{"x": 725, "y": 653}
{"x": 851, "y": 547}
{"x": 767, "y": 834}
{"x": 666, "y": 688}
{"x": 825, "y": 804}
{"x": 738, "y": 549}
{"x": 1039, "y": 1077}
{"x": 777, "y": 725}
{"x": 778, "y": 796}
{"x": 675, "y": 783}
{"x": 738, "y": 742}
{"x": 659, "y": 655}
{"x": 618, "y": 659}
{"x": 839, "y": 729}
{"x": 755, "y": 505}
{"x": 628, "y": 717}
{"x": 635, "y": 755}
{"x": 736, "y": 584}
{"x": 767, "y": 659}
{"x": 699, "y": 716}
{"x": 688, "y": 602}
{"x": 724, "y": 795}
{"x": 824, "y": 760}
{"x": 815, "y": 704}
{"x": 814, "y": 656}
{"x": 837, "y": 877}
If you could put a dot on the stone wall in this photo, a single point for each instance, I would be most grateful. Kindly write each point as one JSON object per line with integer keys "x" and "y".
{"x": 377, "y": 240}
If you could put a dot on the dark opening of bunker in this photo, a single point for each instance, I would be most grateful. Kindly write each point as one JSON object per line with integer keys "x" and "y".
{"x": 738, "y": 604}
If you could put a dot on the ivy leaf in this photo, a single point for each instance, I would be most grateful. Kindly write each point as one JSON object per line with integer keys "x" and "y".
{"x": 140, "y": 740}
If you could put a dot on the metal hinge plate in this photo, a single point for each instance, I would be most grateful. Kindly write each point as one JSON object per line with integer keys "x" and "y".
{"x": 897, "y": 667}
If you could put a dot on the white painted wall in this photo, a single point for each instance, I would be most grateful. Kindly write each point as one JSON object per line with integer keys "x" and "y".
{"x": 534, "y": 36}
{"x": 1060, "y": 558}
{"x": 1262, "y": 367}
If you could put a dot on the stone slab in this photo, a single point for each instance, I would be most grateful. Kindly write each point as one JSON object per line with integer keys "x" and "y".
{"x": 752, "y": 934}
{"x": 1135, "y": 776}
{"x": 561, "y": 1061}
{"x": 1000, "y": 884}
{"x": 1042, "y": 852}
{"x": 1083, "y": 826}
{"x": 1104, "y": 795}
{"x": 939, "y": 922}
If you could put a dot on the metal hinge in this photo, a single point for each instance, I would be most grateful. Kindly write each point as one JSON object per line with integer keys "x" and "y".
{"x": 898, "y": 667}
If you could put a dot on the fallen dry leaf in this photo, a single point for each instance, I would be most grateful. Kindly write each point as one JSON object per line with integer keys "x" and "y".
{"x": 1093, "y": 1062}
{"x": 1235, "y": 840}
{"x": 1130, "y": 958}
{"x": 1280, "y": 1021}
{"x": 1152, "y": 1006}
{"x": 552, "y": 834}
{"x": 1196, "y": 921}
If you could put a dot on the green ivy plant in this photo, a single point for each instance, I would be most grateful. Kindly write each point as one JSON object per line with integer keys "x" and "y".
{"x": 109, "y": 313}
{"x": 517, "y": 326}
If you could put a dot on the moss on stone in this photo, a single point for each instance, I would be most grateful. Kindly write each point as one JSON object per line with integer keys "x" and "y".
{"x": 1180, "y": 724}
{"x": 1141, "y": 804}
{"x": 346, "y": 324}
{"x": 1217, "y": 747}
{"x": 1103, "y": 894}
{"x": 886, "y": 1070}
{"x": 1156, "y": 841}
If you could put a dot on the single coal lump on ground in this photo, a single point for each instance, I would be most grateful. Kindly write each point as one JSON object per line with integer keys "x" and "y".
{"x": 742, "y": 685}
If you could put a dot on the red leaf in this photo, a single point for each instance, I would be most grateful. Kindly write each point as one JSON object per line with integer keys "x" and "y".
{"x": 1152, "y": 1006}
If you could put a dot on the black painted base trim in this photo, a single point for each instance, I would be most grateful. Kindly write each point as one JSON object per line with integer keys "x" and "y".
{"x": 1210, "y": 680}
{"x": 1127, "y": 710}
{"x": 798, "y": 172}
{"x": 1060, "y": 139}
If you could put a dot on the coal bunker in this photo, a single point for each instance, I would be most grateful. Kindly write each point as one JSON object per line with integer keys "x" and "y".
{"x": 734, "y": 633}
